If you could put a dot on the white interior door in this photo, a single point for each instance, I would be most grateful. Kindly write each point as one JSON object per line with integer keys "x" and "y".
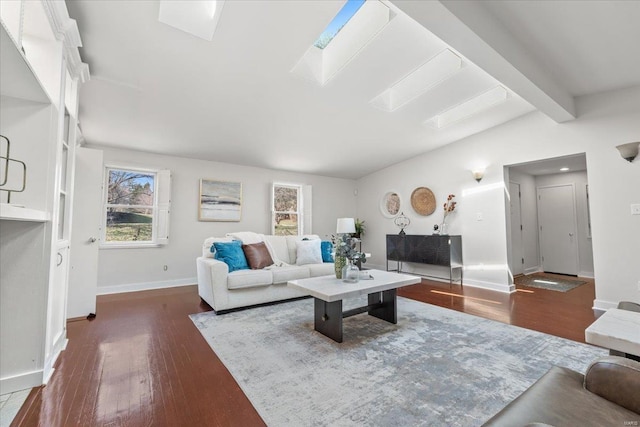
{"x": 517, "y": 248}
{"x": 557, "y": 220}
{"x": 85, "y": 236}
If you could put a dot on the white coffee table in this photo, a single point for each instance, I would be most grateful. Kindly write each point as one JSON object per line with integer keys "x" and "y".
{"x": 328, "y": 293}
{"x": 617, "y": 330}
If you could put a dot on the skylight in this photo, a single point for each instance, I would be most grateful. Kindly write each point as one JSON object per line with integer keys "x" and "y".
{"x": 357, "y": 24}
{"x": 420, "y": 80}
{"x": 471, "y": 107}
{"x": 338, "y": 22}
{"x": 196, "y": 17}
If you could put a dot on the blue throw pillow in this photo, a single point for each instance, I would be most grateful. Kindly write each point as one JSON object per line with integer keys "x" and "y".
{"x": 231, "y": 253}
{"x": 326, "y": 248}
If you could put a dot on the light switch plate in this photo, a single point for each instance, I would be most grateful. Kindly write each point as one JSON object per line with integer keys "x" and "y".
{"x": 479, "y": 216}
{"x": 635, "y": 209}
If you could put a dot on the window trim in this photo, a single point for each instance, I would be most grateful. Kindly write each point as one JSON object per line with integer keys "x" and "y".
{"x": 154, "y": 242}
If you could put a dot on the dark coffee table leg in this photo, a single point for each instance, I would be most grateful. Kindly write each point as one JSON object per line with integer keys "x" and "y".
{"x": 328, "y": 318}
{"x": 388, "y": 310}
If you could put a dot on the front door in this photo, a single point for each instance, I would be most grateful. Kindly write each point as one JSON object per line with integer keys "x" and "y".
{"x": 557, "y": 221}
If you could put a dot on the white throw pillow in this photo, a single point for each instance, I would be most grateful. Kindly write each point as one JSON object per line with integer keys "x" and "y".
{"x": 308, "y": 252}
{"x": 206, "y": 247}
{"x": 246, "y": 237}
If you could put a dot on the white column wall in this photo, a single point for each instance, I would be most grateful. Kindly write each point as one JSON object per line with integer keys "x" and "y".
{"x": 529, "y": 210}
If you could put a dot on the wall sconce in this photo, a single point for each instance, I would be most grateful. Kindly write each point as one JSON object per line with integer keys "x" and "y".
{"x": 478, "y": 174}
{"x": 629, "y": 151}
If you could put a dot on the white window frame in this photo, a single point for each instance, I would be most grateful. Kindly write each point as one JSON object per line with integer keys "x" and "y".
{"x": 304, "y": 207}
{"x": 160, "y": 208}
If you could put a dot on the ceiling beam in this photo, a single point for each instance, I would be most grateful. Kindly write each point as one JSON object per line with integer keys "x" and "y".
{"x": 470, "y": 29}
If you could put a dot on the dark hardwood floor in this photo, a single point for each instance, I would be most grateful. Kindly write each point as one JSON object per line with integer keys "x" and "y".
{"x": 141, "y": 361}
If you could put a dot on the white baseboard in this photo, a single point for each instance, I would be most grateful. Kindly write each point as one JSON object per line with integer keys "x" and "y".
{"x": 21, "y": 381}
{"x": 602, "y": 305}
{"x": 58, "y": 348}
{"x": 490, "y": 286}
{"x": 467, "y": 282}
{"x": 532, "y": 270}
{"x": 145, "y": 286}
{"x": 587, "y": 274}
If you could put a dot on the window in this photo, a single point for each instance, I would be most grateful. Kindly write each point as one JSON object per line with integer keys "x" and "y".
{"x": 338, "y": 22}
{"x": 355, "y": 25}
{"x": 136, "y": 207}
{"x": 291, "y": 209}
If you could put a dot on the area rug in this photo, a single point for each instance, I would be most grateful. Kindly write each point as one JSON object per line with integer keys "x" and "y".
{"x": 435, "y": 367}
{"x": 546, "y": 281}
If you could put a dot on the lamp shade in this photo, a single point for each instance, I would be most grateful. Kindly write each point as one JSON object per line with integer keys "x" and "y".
{"x": 629, "y": 151}
{"x": 346, "y": 226}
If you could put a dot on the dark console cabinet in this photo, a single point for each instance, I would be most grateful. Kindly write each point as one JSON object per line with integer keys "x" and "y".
{"x": 426, "y": 249}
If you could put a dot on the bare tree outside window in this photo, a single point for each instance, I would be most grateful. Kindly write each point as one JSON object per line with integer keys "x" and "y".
{"x": 286, "y": 208}
{"x": 130, "y": 206}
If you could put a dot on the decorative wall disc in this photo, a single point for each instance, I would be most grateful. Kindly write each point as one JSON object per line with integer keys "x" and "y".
{"x": 390, "y": 204}
{"x": 423, "y": 201}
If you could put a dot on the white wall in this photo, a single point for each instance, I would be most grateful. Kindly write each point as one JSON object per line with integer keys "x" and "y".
{"x": 579, "y": 181}
{"x": 604, "y": 121}
{"x": 529, "y": 212}
{"x": 131, "y": 269}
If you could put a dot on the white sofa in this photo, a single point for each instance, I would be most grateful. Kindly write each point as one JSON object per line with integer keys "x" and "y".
{"x": 224, "y": 291}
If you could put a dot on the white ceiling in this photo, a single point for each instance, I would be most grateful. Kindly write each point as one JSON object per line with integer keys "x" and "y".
{"x": 158, "y": 89}
{"x": 588, "y": 46}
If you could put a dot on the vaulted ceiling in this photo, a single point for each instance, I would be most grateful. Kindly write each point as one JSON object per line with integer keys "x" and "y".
{"x": 234, "y": 99}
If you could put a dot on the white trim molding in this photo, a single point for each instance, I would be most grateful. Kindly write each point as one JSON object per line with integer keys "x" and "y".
{"x": 66, "y": 30}
{"x": 146, "y": 286}
{"x": 602, "y": 305}
{"x": 532, "y": 270}
{"x": 498, "y": 287}
{"x": 21, "y": 381}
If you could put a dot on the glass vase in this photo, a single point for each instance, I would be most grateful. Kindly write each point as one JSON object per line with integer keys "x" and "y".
{"x": 339, "y": 263}
{"x": 443, "y": 228}
{"x": 350, "y": 273}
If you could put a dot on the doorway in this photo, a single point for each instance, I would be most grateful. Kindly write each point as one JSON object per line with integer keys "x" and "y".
{"x": 549, "y": 217}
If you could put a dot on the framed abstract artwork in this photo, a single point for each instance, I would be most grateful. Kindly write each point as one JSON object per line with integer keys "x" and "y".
{"x": 220, "y": 201}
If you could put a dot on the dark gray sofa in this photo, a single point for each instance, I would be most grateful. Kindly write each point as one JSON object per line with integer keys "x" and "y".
{"x": 607, "y": 395}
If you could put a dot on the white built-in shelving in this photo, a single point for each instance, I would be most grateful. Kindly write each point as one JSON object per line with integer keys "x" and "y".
{"x": 40, "y": 73}
{"x": 19, "y": 213}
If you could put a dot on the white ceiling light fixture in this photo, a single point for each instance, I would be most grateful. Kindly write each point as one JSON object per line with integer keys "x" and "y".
{"x": 428, "y": 75}
{"x": 196, "y": 17}
{"x": 564, "y": 169}
{"x": 470, "y": 107}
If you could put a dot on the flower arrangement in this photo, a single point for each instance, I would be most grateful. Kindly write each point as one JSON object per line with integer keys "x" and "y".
{"x": 345, "y": 247}
{"x": 449, "y": 206}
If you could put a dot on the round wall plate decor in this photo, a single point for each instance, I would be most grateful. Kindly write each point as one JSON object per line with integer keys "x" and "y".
{"x": 390, "y": 204}
{"x": 423, "y": 201}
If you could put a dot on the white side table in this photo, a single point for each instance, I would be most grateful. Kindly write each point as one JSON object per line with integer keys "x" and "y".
{"x": 617, "y": 330}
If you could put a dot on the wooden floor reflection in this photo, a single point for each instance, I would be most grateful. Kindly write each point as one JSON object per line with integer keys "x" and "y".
{"x": 563, "y": 314}
{"x": 141, "y": 362}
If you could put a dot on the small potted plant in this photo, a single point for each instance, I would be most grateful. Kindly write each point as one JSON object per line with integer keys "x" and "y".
{"x": 360, "y": 228}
